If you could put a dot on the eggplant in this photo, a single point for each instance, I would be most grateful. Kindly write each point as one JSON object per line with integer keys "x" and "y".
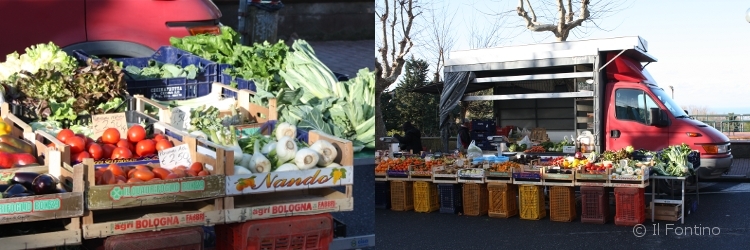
{"x": 24, "y": 178}
{"x": 21, "y": 195}
{"x": 44, "y": 184}
{"x": 3, "y": 187}
{"x": 14, "y": 190}
{"x": 61, "y": 191}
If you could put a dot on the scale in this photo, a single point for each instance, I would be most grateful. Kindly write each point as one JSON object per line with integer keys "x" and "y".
{"x": 500, "y": 141}
{"x": 393, "y": 145}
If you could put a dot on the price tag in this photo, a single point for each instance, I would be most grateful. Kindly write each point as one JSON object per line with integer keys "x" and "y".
{"x": 569, "y": 149}
{"x": 175, "y": 156}
{"x": 100, "y": 123}
{"x": 180, "y": 117}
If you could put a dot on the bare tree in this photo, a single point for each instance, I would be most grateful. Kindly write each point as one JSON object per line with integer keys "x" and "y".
{"x": 566, "y": 17}
{"x": 441, "y": 36}
{"x": 396, "y": 20}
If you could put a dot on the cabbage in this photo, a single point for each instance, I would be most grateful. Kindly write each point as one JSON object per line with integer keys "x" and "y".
{"x": 41, "y": 56}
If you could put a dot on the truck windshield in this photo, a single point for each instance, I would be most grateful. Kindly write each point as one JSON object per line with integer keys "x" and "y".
{"x": 675, "y": 109}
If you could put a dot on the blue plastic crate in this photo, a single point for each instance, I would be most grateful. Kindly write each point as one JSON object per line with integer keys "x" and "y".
{"x": 178, "y": 88}
{"x": 382, "y": 195}
{"x": 450, "y": 198}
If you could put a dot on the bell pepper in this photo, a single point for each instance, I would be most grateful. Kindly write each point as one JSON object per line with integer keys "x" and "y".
{"x": 4, "y": 128}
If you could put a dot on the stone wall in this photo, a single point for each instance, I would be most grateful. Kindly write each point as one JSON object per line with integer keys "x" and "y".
{"x": 316, "y": 20}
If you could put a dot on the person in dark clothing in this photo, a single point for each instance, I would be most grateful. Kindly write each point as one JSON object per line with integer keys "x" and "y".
{"x": 464, "y": 139}
{"x": 412, "y": 139}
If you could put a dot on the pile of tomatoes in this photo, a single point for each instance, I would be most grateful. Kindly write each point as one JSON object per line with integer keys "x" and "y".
{"x": 116, "y": 174}
{"x": 112, "y": 145}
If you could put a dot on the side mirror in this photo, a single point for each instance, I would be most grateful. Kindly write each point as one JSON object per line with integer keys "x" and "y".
{"x": 658, "y": 117}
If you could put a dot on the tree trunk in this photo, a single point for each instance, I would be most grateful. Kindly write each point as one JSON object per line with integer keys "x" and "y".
{"x": 379, "y": 123}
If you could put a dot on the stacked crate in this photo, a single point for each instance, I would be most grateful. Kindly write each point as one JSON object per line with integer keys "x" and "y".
{"x": 479, "y": 131}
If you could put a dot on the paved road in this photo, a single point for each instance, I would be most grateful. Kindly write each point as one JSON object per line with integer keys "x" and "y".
{"x": 723, "y": 205}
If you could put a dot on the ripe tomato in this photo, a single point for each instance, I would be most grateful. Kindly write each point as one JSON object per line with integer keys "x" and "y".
{"x": 96, "y": 151}
{"x": 80, "y": 156}
{"x": 196, "y": 166}
{"x": 116, "y": 170}
{"x": 143, "y": 175}
{"x": 142, "y": 167}
{"x": 154, "y": 180}
{"x": 192, "y": 173}
{"x": 108, "y": 178}
{"x": 64, "y": 134}
{"x": 203, "y": 173}
{"x": 121, "y": 179}
{"x": 159, "y": 137}
{"x": 161, "y": 172}
{"x": 111, "y": 136}
{"x": 136, "y": 133}
{"x": 121, "y": 153}
{"x": 179, "y": 173}
{"x": 89, "y": 142}
{"x": 125, "y": 144}
{"x": 77, "y": 144}
{"x": 134, "y": 180}
{"x": 108, "y": 149}
{"x": 145, "y": 147}
{"x": 162, "y": 144}
{"x": 172, "y": 176}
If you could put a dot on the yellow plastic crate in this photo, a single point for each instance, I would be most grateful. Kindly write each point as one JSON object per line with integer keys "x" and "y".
{"x": 562, "y": 204}
{"x": 426, "y": 199}
{"x": 503, "y": 200}
{"x": 532, "y": 202}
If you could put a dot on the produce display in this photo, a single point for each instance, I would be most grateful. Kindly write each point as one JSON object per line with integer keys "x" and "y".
{"x": 504, "y": 166}
{"x": 281, "y": 152}
{"x": 50, "y": 85}
{"x": 112, "y": 145}
{"x": 15, "y": 153}
{"x": 24, "y": 184}
{"x": 116, "y": 174}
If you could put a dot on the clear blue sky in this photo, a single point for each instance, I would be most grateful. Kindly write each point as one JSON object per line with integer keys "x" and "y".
{"x": 703, "y": 47}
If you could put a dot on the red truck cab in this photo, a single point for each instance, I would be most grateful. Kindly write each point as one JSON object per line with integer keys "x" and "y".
{"x": 104, "y": 27}
{"x": 640, "y": 113}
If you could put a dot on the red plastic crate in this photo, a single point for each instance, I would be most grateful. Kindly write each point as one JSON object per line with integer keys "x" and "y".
{"x": 630, "y": 206}
{"x": 190, "y": 238}
{"x": 304, "y": 232}
{"x": 594, "y": 205}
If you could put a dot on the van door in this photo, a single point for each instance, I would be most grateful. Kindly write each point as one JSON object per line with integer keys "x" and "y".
{"x": 29, "y": 22}
{"x": 628, "y": 120}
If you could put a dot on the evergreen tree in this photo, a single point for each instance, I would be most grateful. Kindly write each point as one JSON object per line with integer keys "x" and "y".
{"x": 418, "y": 108}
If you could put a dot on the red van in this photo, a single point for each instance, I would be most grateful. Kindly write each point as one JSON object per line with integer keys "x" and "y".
{"x": 125, "y": 28}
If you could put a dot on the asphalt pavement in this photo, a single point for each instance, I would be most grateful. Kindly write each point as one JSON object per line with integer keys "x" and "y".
{"x": 720, "y": 222}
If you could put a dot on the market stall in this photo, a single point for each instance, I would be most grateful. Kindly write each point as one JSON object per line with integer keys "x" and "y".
{"x": 204, "y": 133}
{"x": 521, "y": 184}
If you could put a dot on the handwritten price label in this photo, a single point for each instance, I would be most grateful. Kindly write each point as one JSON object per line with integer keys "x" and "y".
{"x": 100, "y": 123}
{"x": 175, "y": 156}
{"x": 180, "y": 117}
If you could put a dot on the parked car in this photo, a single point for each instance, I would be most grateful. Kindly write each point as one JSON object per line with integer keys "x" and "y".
{"x": 104, "y": 27}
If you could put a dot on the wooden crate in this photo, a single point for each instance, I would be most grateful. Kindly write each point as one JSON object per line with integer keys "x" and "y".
{"x": 67, "y": 208}
{"x": 475, "y": 199}
{"x": 557, "y": 179}
{"x": 249, "y": 112}
{"x": 120, "y": 209}
{"x": 641, "y": 181}
{"x": 289, "y": 193}
{"x": 502, "y": 200}
{"x": 665, "y": 212}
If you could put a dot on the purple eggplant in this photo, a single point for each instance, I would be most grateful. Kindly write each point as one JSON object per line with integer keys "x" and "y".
{"x": 14, "y": 190}
{"x": 24, "y": 178}
{"x": 44, "y": 184}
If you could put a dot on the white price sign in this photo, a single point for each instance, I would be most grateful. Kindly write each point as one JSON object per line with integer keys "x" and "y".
{"x": 175, "y": 156}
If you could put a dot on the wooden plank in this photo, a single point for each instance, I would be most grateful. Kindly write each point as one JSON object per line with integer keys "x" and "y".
{"x": 152, "y": 193}
{"x": 43, "y": 240}
{"x": 153, "y": 222}
{"x": 344, "y": 147}
{"x": 288, "y": 180}
{"x": 41, "y": 207}
{"x": 289, "y": 203}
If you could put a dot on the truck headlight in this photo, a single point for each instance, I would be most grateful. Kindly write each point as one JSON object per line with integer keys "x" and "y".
{"x": 716, "y": 149}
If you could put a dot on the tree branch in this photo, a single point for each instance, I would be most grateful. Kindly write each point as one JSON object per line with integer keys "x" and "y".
{"x": 583, "y": 16}
{"x": 384, "y": 49}
{"x": 531, "y": 24}
{"x": 570, "y": 11}
{"x": 561, "y": 17}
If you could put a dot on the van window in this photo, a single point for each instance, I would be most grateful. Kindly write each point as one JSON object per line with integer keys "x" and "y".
{"x": 633, "y": 105}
